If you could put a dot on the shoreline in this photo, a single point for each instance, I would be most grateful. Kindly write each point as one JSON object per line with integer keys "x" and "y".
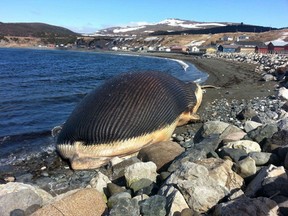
{"x": 239, "y": 86}
{"x": 237, "y": 80}
{"x": 230, "y": 76}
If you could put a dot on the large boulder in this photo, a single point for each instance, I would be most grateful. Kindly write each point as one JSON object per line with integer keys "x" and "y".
{"x": 175, "y": 200}
{"x": 246, "y": 145}
{"x": 154, "y": 205}
{"x": 214, "y": 176}
{"x": 162, "y": 154}
{"x": 283, "y": 94}
{"x": 245, "y": 206}
{"x": 27, "y": 198}
{"x": 140, "y": 170}
{"x": 82, "y": 202}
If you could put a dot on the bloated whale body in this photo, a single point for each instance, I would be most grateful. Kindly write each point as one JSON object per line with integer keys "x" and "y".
{"x": 125, "y": 114}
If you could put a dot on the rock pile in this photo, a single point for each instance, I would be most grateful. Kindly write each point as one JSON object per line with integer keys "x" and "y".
{"x": 271, "y": 66}
{"x": 234, "y": 164}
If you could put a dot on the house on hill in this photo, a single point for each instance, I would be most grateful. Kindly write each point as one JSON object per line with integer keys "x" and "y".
{"x": 226, "y": 38}
{"x": 278, "y": 47}
{"x": 229, "y": 48}
{"x": 242, "y": 38}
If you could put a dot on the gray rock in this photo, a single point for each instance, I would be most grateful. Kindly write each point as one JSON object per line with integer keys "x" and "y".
{"x": 175, "y": 200}
{"x": 251, "y": 125}
{"x": 275, "y": 185}
{"x": 221, "y": 171}
{"x": 278, "y": 140}
{"x": 189, "y": 155}
{"x": 247, "y": 167}
{"x": 283, "y": 124}
{"x": 118, "y": 169}
{"x": 140, "y": 170}
{"x": 99, "y": 182}
{"x": 17, "y": 212}
{"x": 213, "y": 127}
{"x": 263, "y": 132}
{"x": 114, "y": 189}
{"x": 232, "y": 133}
{"x": 263, "y": 158}
{"x": 246, "y": 145}
{"x": 282, "y": 202}
{"x": 25, "y": 178}
{"x": 268, "y": 77}
{"x": 154, "y": 205}
{"x": 256, "y": 184}
{"x": 125, "y": 206}
{"x": 192, "y": 179}
{"x": 116, "y": 197}
{"x": 179, "y": 138}
{"x": 234, "y": 154}
{"x": 283, "y": 94}
{"x": 14, "y": 195}
{"x": 285, "y": 106}
{"x": 141, "y": 184}
{"x": 209, "y": 144}
{"x": 260, "y": 206}
{"x": 246, "y": 114}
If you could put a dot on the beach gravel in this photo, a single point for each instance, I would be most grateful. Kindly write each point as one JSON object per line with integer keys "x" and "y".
{"x": 243, "y": 178}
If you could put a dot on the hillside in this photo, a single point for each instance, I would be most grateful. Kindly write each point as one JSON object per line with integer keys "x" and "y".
{"x": 167, "y": 33}
{"x": 178, "y": 27}
{"x": 34, "y": 30}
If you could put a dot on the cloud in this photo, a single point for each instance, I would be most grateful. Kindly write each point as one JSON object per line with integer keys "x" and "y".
{"x": 86, "y": 29}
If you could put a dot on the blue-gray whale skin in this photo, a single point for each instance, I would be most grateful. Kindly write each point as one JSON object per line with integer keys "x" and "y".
{"x": 127, "y": 108}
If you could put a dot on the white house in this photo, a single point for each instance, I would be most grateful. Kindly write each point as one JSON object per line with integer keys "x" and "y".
{"x": 194, "y": 49}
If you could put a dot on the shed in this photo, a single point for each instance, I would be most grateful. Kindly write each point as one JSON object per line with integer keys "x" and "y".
{"x": 261, "y": 49}
{"x": 249, "y": 46}
{"x": 208, "y": 49}
{"x": 277, "y": 47}
{"x": 229, "y": 48}
{"x": 179, "y": 49}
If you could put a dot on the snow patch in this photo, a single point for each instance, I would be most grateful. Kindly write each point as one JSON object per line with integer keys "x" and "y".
{"x": 151, "y": 39}
{"x": 127, "y": 29}
{"x": 196, "y": 43}
{"x": 181, "y": 23}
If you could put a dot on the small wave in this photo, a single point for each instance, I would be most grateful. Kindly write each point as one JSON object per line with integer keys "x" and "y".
{"x": 22, "y": 155}
{"x": 184, "y": 65}
{"x": 24, "y": 136}
{"x": 201, "y": 80}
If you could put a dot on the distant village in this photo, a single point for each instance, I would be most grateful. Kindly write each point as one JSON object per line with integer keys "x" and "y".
{"x": 225, "y": 44}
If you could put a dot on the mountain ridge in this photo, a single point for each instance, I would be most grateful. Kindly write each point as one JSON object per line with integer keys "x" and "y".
{"x": 34, "y": 29}
{"x": 179, "y": 26}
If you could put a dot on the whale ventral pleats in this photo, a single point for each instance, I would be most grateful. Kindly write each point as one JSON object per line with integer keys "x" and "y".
{"x": 128, "y": 106}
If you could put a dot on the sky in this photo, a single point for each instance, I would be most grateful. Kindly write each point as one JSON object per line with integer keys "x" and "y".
{"x": 88, "y": 16}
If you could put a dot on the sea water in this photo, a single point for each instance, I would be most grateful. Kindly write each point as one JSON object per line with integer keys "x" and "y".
{"x": 40, "y": 88}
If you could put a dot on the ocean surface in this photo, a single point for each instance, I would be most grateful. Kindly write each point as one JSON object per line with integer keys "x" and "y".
{"x": 40, "y": 88}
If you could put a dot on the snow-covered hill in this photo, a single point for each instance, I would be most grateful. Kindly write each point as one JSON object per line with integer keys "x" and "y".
{"x": 168, "y": 25}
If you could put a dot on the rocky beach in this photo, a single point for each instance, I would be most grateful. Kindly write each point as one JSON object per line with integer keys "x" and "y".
{"x": 234, "y": 161}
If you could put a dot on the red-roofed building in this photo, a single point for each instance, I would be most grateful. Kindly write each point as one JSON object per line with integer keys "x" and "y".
{"x": 277, "y": 47}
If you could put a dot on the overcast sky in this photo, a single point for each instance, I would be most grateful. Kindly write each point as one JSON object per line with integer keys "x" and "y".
{"x": 87, "y": 16}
